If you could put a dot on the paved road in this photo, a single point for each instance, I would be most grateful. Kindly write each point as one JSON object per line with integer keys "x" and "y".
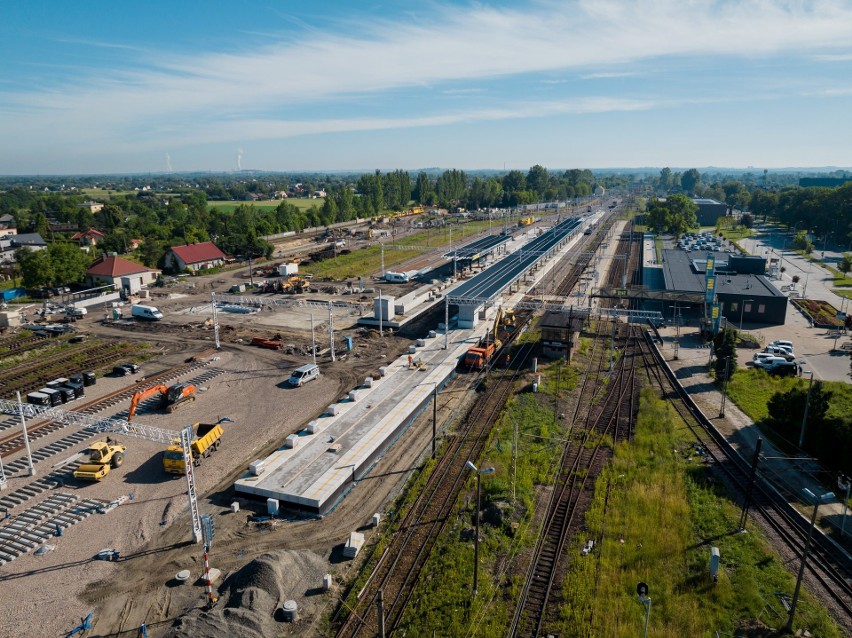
{"x": 813, "y": 344}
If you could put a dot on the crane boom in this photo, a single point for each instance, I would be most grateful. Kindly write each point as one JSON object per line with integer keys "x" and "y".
{"x": 106, "y": 425}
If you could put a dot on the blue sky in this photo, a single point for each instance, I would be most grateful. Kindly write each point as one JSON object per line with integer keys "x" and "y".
{"x": 116, "y": 87}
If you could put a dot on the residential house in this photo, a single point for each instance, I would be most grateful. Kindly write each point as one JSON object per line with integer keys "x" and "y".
{"x": 93, "y": 207}
{"x": 11, "y": 243}
{"x": 194, "y": 257}
{"x": 89, "y": 238}
{"x": 124, "y": 274}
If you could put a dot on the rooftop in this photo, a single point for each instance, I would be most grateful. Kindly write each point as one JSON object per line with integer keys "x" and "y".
{"x": 195, "y": 253}
{"x": 114, "y": 266}
{"x": 684, "y": 272}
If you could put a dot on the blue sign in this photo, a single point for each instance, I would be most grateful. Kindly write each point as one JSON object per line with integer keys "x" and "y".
{"x": 716, "y": 317}
{"x": 710, "y": 289}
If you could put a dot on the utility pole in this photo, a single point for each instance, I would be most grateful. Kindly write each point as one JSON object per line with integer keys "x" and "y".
{"x": 331, "y": 327}
{"x": 313, "y": 341}
{"x": 747, "y": 501}
{"x": 725, "y": 386}
{"x": 215, "y": 320}
{"x": 26, "y": 437}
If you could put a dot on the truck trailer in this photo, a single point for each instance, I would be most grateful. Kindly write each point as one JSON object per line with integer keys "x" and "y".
{"x": 208, "y": 437}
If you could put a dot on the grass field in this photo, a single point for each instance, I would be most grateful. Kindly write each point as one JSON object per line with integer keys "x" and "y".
{"x": 366, "y": 261}
{"x": 654, "y": 518}
{"x": 752, "y": 389}
{"x": 301, "y": 204}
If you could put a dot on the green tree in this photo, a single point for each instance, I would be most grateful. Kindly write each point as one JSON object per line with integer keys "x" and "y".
{"x": 35, "y": 266}
{"x": 801, "y": 242}
{"x": 787, "y": 409}
{"x": 68, "y": 263}
{"x": 690, "y": 180}
{"x": 845, "y": 264}
{"x": 724, "y": 347}
{"x": 666, "y": 180}
{"x": 537, "y": 180}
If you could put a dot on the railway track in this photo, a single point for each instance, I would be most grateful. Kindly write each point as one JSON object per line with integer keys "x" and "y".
{"x": 15, "y": 442}
{"x": 828, "y": 569}
{"x": 396, "y": 571}
{"x": 20, "y": 378}
{"x": 603, "y": 413}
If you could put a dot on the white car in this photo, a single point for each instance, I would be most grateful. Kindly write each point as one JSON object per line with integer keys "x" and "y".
{"x": 769, "y": 362}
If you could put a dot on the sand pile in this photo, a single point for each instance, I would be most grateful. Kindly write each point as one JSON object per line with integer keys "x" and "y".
{"x": 250, "y": 597}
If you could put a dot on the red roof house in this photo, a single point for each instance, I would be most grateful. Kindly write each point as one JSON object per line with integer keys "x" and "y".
{"x": 194, "y": 257}
{"x": 111, "y": 269}
{"x": 89, "y": 238}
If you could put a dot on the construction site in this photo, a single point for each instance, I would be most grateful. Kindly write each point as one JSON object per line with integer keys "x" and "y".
{"x": 229, "y": 469}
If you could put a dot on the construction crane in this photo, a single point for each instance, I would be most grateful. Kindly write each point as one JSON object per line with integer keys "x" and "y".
{"x": 102, "y": 425}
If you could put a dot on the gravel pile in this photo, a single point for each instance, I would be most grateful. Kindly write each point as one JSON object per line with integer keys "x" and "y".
{"x": 250, "y": 597}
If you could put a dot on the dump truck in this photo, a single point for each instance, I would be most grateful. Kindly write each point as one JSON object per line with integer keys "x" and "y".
{"x": 103, "y": 455}
{"x": 206, "y": 440}
{"x": 170, "y": 397}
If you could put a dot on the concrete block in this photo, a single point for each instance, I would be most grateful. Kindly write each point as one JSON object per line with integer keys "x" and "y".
{"x": 314, "y": 426}
{"x": 412, "y": 349}
{"x": 235, "y": 507}
{"x": 383, "y": 371}
{"x": 256, "y": 467}
{"x": 353, "y": 395}
{"x": 368, "y": 382}
{"x": 377, "y": 518}
{"x": 326, "y": 582}
{"x": 432, "y": 334}
{"x": 272, "y": 506}
{"x": 291, "y": 441}
{"x": 334, "y": 409}
{"x": 421, "y": 343}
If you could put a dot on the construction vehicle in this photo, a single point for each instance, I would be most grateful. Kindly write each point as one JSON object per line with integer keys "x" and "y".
{"x": 171, "y": 397}
{"x": 479, "y": 356}
{"x": 103, "y": 455}
{"x": 296, "y": 284}
{"x": 507, "y": 325}
{"x": 526, "y": 221}
{"x": 207, "y": 438}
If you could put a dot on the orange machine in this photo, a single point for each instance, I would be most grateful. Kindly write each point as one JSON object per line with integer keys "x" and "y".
{"x": 171, "y": 398}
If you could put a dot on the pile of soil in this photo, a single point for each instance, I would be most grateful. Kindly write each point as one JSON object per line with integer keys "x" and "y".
{"x": 250, "y": 597}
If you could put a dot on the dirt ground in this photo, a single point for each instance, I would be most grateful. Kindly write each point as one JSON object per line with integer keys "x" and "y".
{"x": 286, "y": 559}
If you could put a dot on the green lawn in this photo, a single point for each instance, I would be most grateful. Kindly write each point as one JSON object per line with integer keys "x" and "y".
{"x": 736, "y": 234}
{"x": 365, "y": 261}
{"x": 300, "y": 203}
{"x": 752, "y": 389}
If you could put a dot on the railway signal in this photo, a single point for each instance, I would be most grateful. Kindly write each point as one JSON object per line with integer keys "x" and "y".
{"x": 645, "y": 599}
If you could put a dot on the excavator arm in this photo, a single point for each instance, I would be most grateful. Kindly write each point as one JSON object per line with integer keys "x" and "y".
{"x": 141, "y": 395}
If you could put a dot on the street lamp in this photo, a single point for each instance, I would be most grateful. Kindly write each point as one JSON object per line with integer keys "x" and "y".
{"x": 479, "y": 473}
{"x": 844, "y": 483}
{"x": 742, "y": 310}
{"x": 807, "y": 405}
{"x": 816, "y": 500}
{"x": 434, "y": 415}
{"x": 725, "y": 386}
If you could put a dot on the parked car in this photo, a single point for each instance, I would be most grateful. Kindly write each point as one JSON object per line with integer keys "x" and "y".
{"x": 768, "y": 362}
{"x": 783, "y": 369}
{"x": 783, "y": 344}
{"x": 125, "y": 369}
{"x": 780, "y": 351}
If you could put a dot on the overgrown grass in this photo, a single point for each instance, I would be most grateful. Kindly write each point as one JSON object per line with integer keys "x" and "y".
{"x": 442, "y": 602}
{"x": 654, "y": 518}
{"x": 752, "y": 389}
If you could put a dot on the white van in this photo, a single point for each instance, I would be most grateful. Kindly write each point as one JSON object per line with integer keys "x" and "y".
{"x": 305, "y": 373}
{"x": 396, "y": 277}
{"x": 782, "y": 343}
{"x": 72, "y": 311}
{"x": 146, "y": 312}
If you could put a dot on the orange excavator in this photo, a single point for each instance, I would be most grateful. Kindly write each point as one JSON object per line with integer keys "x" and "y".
{"x": 171, "y": 397}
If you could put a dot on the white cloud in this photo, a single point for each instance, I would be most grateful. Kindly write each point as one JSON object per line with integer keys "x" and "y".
{"x": 179, "y": 99}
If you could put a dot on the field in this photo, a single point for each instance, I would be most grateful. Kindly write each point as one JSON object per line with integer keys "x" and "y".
{"x": 369, "y": 260}
{"x": 301, "y": 204}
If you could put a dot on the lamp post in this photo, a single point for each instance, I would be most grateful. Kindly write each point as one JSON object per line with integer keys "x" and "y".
{"x": 844, "y": 483}
{"x": 807, "y": 405}
{"x": 742, "y": 310}
{"x": 725, "y": 386}
{"x": 479, "y": 473}
{"x": 816, "y": 500}
{"x": 825, "y": 242}
{"x": 434, "y": 415}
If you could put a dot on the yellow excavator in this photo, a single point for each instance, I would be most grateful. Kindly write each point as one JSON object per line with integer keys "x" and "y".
{"x": 171, "y": 397}
{"x": 479, "y": 356}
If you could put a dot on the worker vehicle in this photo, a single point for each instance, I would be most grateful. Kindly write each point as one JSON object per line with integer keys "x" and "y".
{"x": 77, "y": 313}
{"x": 103, "y": 456}
{"x": 303, "y": 374}
{"x": 171, "y": 398}
{"x": 396, "y": 277}
{"x": 479, "y": 356}
{"x": 145, "y": 312}
{"x": 526, "y": 221}
{"x": 208, "y": 437}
